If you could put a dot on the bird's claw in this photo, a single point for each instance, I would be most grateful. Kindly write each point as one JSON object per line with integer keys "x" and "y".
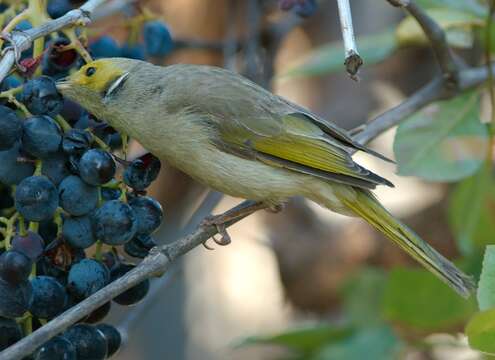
{"x": 219, "y": 223}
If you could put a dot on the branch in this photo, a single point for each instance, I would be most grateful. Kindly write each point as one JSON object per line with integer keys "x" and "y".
{"x": 352, "y": 59}
{"x": 22, "y": 40}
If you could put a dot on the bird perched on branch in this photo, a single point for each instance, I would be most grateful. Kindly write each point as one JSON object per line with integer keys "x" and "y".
{"x": 234, "y": 136}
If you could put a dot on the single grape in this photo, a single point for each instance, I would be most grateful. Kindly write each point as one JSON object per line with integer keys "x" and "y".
{"x": 11, "y": 127}
{"x": 49, "y": 297}
{"x": 57, "y": 348}
{"x": 10, "y": 332}
{"x": 77, "y": 197}
{"x": 114, "y": 223}
{"x": 87, "y": 277}
{"x": 140, "y": 246}
{"x": 15, "y": 299}
{"x": 76, "y": 141}
{"x": 15, "y": 267}
{"x": 41, "y": 137}
{"x": 105, "y": 47}
{"x": 99, "y": 314}
{"x": 112, "y": 337}
{"x": 135, "y": 51}
{"x": 41, "y": 97}
{"x": 78, "y": 232}
{"x": 149, "y": 214}
{"x": 133, "y": 295}
{"x": 157, "y": 39}
{"x": 58, "y": 59}
{"x": 36, "y": 198}
{"x": 142, "y": 172}
{"x": 305, "y": 8}
{"x": 55, "y": 168}
{"x": 31, "y": 244}
{"x": 13, "y": 167}
{"x": 90, "y": 343}
{"x": 96, "y": 167}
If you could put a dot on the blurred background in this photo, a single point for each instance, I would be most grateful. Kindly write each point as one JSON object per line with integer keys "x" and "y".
{"x": 317, "y": 278}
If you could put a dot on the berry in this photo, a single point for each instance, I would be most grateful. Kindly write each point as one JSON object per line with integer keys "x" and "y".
{"x": 36, "y": 198}
{"x": 96, "y": 167}
{"x": 57, "y": 59}
{"x": 77, "y": 197}
{"x": 11, "y": 127}
{"x": 49, "y": 297}
{"x": 105, "y": 46}
{"x": 6, "y": 198}
{"x": 57, "y": 8}
{"x": 99, "y": 314}
{"x": 157, "y": 39}
{"x": 13, "y": 168}
{"x": 90, "y": 343}
{"x": 112, "y": 337}
{"x": 115, "y": 223}
{"x": 41, "y": 97}
{"x": 15, "y": 267}
{"x": 133, "y": 295}
{"x": 76, "y": 141}
{"x": 31, "y": 245}
{"x": 133, "y": 51}
{"x": 57, "y": 348}
{"x": 10, "y": 332}
{"x": 41, "y": 137}
{"x": 149, "y": 214}
{"x": 110, "y": 194}
{"x": 55, "y": 168}
{"x": 142, "y": 172}
{"x": 139, "y": 246}
{"x": 87, "y": 277}
{"x": 15, "y": 299}
{"x": 77, "y": 232}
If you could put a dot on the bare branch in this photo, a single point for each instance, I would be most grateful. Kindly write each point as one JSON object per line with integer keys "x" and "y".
{"x": 352, "y": 59}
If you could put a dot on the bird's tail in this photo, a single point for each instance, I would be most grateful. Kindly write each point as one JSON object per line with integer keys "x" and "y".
{"x": 367, "y": 206}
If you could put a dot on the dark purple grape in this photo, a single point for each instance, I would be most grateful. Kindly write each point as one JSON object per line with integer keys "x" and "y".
{"x": 13, "y": 167}
{"x": 105, "y": 47}
{"x": 57, "y": 348}
{"x": 110, "y": 194}
{"x": 133, "y": 295}
{"x": 10, "y": 332}
{"x": 157, "y": 39}
{"x": 15, "y": 299}
{"x": 87, "y": 277}
{"x": 58, "y": 59}
{"x": 114, "y": 223}
{"x": 140, "y": 246}
{"x": 15, "y": 267}
{"x": 71, "y": 111}
{"x": 99, "y": 314}
{"x": 142, "y": 172}
{"x": 49, "y": 297}
{"x": 31, "y": 245}
{"x": 78, "y": 232}
{"x": 41, "y": 97}
{"x": 96, "y": 167}
{"x": 41, "y": 137}
{"x": 112, "y": 337}
{"x": 55, "y": 168}
{"x": 149, "y": 214}
{"x": 90, "y": 343}
{"x": 57, "y": 8}
{"x": 11, "y": 127}
{"x": 36, "y": 198}
{"x": 6, "y": 198}
{"x": 76, "y": 141}
{"x": 77, "y": 197}
{"x": 135, "y": 51}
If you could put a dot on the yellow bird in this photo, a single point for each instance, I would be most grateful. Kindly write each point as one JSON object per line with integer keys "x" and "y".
{"x": 234, "y": 136}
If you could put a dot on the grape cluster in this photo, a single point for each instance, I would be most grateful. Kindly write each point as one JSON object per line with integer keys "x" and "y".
{"x": 74, "y": 212}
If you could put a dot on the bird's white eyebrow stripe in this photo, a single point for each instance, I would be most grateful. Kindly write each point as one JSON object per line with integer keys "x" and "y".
{"x": 116, "y": 84}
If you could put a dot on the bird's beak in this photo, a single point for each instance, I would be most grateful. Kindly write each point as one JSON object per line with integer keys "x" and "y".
{"x": 63, "y": 84}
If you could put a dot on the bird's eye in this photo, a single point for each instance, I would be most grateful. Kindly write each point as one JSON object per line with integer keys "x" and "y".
{"x": 90, "y": 71}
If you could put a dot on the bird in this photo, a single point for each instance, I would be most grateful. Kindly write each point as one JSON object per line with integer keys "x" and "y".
{"x": 238, "y": 138}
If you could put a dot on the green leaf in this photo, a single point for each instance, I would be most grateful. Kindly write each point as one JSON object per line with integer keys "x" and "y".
{"x": 367, "y": 284}
{"x": 486, "y": 286}
{"x": 471, "y": 6}
{"x": 481, "y": 331}
{"x": 472, "y": 210}
{"x": 378, "y": 343}
{"x": 446, "y": 141}
{"x": 330, "y": 58}
{"x": 409, "y": 32}
{"x": 417, "y": 299}
{"x": 304, "y": 339}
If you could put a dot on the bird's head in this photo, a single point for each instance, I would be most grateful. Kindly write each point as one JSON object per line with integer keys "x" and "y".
{"x": 96, "y": 81}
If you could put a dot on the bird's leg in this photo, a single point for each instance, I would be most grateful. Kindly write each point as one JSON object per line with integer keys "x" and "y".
{"x": 222, "y": 221}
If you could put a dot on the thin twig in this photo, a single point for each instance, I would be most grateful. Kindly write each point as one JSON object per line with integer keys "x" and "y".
{"x": 352, "y": 59}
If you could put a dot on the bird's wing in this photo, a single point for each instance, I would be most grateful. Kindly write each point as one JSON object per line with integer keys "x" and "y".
{"x": 295, "y": 142}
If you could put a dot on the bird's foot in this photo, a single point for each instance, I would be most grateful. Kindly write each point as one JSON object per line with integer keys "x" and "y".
{"x": 275, "y": 208}
{"x": 219, "y": 222}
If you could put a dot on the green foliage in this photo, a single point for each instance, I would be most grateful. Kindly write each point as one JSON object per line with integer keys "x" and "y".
{"x": 417, "y": 299}
{"x": 471, "y": 212}
{"x": 329, "y": 58}
{"x": 481, "y": 331}
{"x": 443, "y": 142}
{"x": 486, "y": 286}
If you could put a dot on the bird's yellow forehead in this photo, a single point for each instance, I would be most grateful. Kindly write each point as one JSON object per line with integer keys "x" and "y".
{"x": 96, "y": 75}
